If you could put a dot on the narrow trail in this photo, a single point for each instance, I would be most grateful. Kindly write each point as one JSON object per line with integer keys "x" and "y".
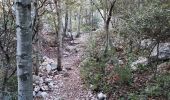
{"x": 68, "y": 84}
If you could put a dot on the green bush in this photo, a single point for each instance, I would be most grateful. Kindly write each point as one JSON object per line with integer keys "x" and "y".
{"x": 125, "y": 74}
{"x": 161, "y": 87}
{"x": 151, "y": 21}
{"x": 86, "y": 28}
{"x": 92, "y": 73}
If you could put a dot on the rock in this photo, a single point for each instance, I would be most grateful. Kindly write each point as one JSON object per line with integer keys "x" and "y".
{"x": 41, "y": 95}
{"x": 41, "y": 80}
{"x": 91, "y": 86}
{"x": 50, "y": 61}
{"x": 51, "y": 85}
{"x": 101, "y": 96}
{"x": 44, "y": 94}
{"x": 45, "y": 58}
{"x": 34, "y": 94}
{"x": 36, "y": 79}
{"x": 44, "y": 63}
{"x": 48, "y": 68}
{"x": 59, "y": 98}
{"x": 36, "y": 88}
{"x": 141, "y": 60}
{"x": 53, "y": 66}
{"x": 164, "y": 52}
{"x": 120, "y": 62}
{"x": 48, "y": 80}
{"x": 44, "y": 87}
{"x": 37, "y": 94}
{"x": 146, "y": 43}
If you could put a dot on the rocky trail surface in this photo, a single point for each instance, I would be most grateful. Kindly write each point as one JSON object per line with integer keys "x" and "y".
{"x": 67, "y": 84}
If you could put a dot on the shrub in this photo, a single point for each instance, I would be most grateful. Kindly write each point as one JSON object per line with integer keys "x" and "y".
{"x": 160, "y": 87}
{"x": 150, "y": 21}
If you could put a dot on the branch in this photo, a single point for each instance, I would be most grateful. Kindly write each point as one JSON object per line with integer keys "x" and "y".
{"x": 12, "y": 73}
{"x": 42, "y": 4}
{"x": 110, "y": 11}
{"x": 98, "y": 10}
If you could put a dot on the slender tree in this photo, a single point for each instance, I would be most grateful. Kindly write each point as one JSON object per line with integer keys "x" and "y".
{"x": 24, "y": 49}
{"x": 79, "y": 22}
{"x": 66, "y": 20}
{"x": 59, "y": 34}
{"x": 108, "y": 9}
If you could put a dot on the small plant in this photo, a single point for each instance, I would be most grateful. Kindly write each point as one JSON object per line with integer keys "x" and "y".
{"x": 125, "y": 74}
{"x": 160, "y": 87}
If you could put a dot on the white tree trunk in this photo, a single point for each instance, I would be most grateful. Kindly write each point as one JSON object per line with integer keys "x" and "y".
{"x": 24, "y": 49}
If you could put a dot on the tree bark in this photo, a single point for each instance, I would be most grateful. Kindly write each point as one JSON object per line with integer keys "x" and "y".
{"x": 59, "y": 34}
{"x": 107, "y": 22}
{"x": 66, "y": 21}
{"x": 92, "y": 16}
{"x": 79, "y": 23}
{"x": 24, "y": 49}
{"x": 70, "y": 25}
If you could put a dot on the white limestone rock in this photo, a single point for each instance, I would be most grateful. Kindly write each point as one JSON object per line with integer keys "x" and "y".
{"x": 141, "y": 60}
{"x": 101, "y": 96}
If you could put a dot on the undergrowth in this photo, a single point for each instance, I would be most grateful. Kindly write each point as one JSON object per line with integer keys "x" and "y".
{"x": 103, "y": 72}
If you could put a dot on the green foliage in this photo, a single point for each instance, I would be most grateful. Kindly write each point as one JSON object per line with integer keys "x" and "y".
{"x": 12, "y": 87}
{"x": 12, "y": 84}
{"x": 142, "y": 68}
{"x": 125, "y": 74}
{"x": 96, "y": 21}
{"x": 160, "y": 87}
{"x": 86, "y": 28}
{"x": 150, "y": 21}
{"x": 93, "y": 70}
{"x": 92, "y": 73}
{"x": 11, "y": 91}
{"x": 101, "y": 72}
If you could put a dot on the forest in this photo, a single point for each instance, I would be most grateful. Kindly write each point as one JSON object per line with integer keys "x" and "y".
{"x": 84, "y": 49}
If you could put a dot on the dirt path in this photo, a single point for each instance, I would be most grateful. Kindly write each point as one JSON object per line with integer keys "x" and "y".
{"x": 68, "y": 84}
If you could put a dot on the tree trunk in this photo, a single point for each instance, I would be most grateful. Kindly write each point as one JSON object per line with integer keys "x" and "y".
{"x": 79, "y": 23}
{"x": 70, "y": 26}
{"x": 106, "y": 28}
{"x": 66, "y": 21}
{"x": 24, "y": 49}
{"x": 92, "y": 16}
{"x": 86, "y": 18}
{"x": 35, "y": 28}
{"x": 107, "y": 22}
{"x": 59, "y": 34}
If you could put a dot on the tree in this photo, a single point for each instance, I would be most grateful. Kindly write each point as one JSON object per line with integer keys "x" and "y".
{"x": 7, "y": 47}
{"x": 66, "y": 19}
{"x": 38, "y": 12}
{"x": 79, "y": 22}
{"x": 108, "y": 6}
{"x": 24, "y": 49}
{"x": 59, "y": 34}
